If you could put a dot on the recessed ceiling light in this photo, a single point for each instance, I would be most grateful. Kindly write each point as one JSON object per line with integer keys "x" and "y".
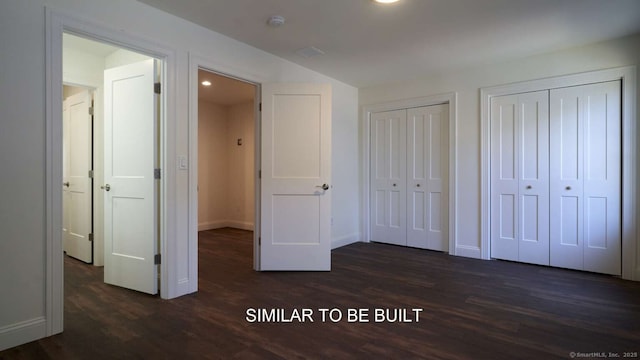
{"x": 206, "y": 83}
{"x": 385, "y": 1}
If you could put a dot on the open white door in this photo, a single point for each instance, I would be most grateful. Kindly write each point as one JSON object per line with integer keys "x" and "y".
{"x": 130, "y": 191}
{"x": 296, "y": 170}
{"x": 76, "y": 177}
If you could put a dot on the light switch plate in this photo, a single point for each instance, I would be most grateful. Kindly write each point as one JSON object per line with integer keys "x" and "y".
{"x": 183, "y": 164}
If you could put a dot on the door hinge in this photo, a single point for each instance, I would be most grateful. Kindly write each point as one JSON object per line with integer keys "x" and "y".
{"x": 259, "y": 240}
{"x": 157, "y": 88}
{"x": 91, "y": 110}
{"x": 91, "y": 174}
{"x": 90, "y": 236}
{"x": 156, "y": 174}
{"x": 259, "y": 174}
{"x": 157, "y": 259}
{"x": 260, "y": 107}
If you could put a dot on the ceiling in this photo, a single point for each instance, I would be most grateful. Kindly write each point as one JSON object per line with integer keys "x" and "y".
{"x": 223, "y": 90}
{"x": 366, "y": 43}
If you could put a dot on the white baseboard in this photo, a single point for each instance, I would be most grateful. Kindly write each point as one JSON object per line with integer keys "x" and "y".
{"x": 22, "y": 332}
{"x": 468, "y": 251}
{"x": 240, "y": 225}
{"x": 225, "y": 223}
{"x": 345, "y": 240}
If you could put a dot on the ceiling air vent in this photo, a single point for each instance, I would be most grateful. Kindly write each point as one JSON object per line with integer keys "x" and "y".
{"x": 310, "y": 52}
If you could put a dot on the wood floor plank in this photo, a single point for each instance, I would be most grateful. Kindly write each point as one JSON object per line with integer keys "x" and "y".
{"x": 472, "y": 309}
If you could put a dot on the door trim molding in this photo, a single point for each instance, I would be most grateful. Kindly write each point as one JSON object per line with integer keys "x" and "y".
{"x": 446, "y": 98}
{"x": 196, "y": 62}
{"x": 630, "y": 198}
{"x": 56, "y": 23}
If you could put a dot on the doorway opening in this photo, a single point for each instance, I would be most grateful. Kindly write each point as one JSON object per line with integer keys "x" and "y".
{"x": 111, "y": 148}
{"x": 226, "y": 158}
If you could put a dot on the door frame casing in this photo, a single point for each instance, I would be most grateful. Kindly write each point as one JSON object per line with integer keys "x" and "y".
{"x": 57, "y": 23}
{"x": 627, "y": 75}
{"x": 196, "y": 62}
{"x": 449, "y": 99}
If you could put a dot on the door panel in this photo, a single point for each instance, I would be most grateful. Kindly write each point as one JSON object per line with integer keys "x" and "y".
{"x": 585, "y": 177}
{"x": 296, "y": 162}
{"x": 427, "y": 165}
{"x": 504, "y": 178}
{"x": 130, "y": 129}
{"x": 566, "y": 142}
{"x": 77, "y": 191}
{"x": 388, "y": 177}
{"x": 533, "y": 183}
{"x": 66, "y": 194}
{"x": 519, "y": 177}
{"x": 602, "y": 178}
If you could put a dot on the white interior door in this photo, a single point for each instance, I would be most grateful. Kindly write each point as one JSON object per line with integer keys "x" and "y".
{"x": 504, "y": 177}
{"x": 520, "y": 177}
{"x": 296, "y": 171}
{"x": 77, "y": 183}
{"x": 586, "y": 177}
{"x": 388, "y": 177}
{"x": 66, "y": 195}
{"x": 427, "y": 174}
{"x": 130, "y": 132}
{"x": 533, "y": 179}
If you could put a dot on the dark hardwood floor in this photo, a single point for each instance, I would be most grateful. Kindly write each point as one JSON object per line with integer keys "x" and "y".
{"x": 472, "y": 309}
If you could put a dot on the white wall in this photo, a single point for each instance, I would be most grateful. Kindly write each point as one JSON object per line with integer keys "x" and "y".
{"x": 82, "y": 68}
{"x": 213, "y": 160}
{"x": 123, "y": 57}
{"x": 467, "y": 83}
{"x": 69, "y": 90}
{"x": 22, "y": 183}
{"x": 241, "y": 178}
{"x": 23, "y": 266}
{"x": 225, "y": 170}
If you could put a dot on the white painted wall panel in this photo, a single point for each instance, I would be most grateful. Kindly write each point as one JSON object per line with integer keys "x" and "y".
{"x": 22, "y": 179}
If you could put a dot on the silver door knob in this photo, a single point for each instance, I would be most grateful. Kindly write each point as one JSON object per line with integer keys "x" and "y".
{"x": 66, "y": 184}
{"x": 418, "y": 185}
{"x": 529, "y": 187}
{"x": 394, "y": 185}
{"x": 324, "y": 187}
{"x": 106, "y": 187}
{"x": 568, "y": 188}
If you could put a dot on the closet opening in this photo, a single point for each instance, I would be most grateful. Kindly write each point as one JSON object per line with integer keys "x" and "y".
{"x": 225, "y": 167}
{"x": 420, "y": 211}
{"x": 556, "y": 177}
{"x": 410, "y": 202}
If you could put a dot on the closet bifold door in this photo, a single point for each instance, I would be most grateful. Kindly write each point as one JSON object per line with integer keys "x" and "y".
{"x": 586, "y": 177}
{"x": 388, "y": 177}
{"x": 427, "y": 170}
{"x": 520, "y": 177}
